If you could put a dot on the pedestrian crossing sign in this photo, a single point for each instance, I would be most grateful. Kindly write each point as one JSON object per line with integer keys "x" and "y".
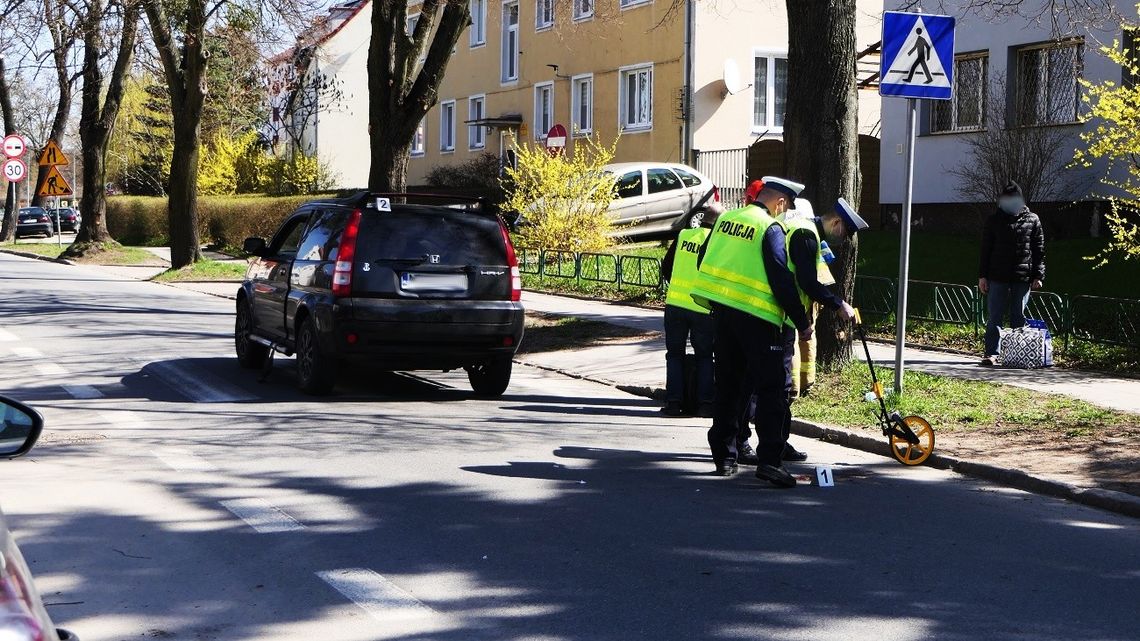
{"x": 918, "y": 56}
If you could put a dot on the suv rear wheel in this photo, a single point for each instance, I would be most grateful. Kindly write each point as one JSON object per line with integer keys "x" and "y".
{"x": 315, "y": 372}
{"x": 490, "y": 379}
{"x": 250, "y": 355}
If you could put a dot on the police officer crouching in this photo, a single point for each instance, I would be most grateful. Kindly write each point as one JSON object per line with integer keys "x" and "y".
{"x": 744, "y": 278}
{"x": 686, "y": 321}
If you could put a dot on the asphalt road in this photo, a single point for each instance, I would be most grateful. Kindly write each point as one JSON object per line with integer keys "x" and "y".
{"x": 174, "y": 496}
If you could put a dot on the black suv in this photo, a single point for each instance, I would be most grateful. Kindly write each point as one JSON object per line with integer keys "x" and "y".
{"x": 394, "y": 281}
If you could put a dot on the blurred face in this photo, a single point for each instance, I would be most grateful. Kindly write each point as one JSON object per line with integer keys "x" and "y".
{"x": 834, "y": 230}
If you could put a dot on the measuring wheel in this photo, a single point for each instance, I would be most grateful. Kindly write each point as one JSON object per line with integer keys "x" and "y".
{"x": 914, "y": 453}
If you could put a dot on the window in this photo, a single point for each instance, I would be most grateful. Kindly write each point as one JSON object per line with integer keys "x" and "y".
{"x": 543, "y": 109}
{"x": 413, "y": 20}
{"x": 476, "y": 110}
{"x": 769, "y": 92}
{"x": 447, "y": 125}
{"x": 583, "y": 9}
{"x": 967, "y": 111}
{"x": 419, "y": 141}
{"x": 629, "y": 185}
{"x": 636, "y": 98}
{"x": 288, "y": 238}
{"x": 478, "y": 33}
{"x": 689, "y": 179}
{"x": 323, "y": 238}
{"x": 582, "y": 105}
{"x": 1048, "y": 83}
{"x": 662, "y": 180}
{"x": 633, "y": 3}
{"x": 510, "y": 62}
{"x": 543, "y": 14}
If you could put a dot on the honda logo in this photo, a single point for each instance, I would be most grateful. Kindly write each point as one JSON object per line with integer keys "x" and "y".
{"x": 433, "y": 259}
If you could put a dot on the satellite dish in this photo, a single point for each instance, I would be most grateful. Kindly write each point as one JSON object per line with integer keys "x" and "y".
{"x": 731, "y": 77}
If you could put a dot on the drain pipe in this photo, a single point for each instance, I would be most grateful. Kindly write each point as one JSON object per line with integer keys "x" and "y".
{"x": 687, "y": 94}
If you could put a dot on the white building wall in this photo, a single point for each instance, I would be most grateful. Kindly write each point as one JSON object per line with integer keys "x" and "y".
{"x": 937, "y": 154}
{"x": 341, "y": 133}
{"x": 739, "y": 31}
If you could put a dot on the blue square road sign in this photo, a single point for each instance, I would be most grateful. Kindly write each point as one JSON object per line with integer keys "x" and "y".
{"x": 918, "y": 56}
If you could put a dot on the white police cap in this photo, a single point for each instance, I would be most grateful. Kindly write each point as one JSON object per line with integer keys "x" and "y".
{"x": 851, "y": 218}
{"x": 789, "y": 188}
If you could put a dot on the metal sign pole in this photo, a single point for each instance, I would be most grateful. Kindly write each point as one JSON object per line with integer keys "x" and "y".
{"x": 904, "y": 245}
{"x": 58, "y": 225}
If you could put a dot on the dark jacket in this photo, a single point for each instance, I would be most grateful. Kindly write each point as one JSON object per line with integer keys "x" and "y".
{"x": 1013, "y": 248}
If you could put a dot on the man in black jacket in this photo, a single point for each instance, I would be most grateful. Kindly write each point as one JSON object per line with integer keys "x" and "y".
{"x": 1012, "y": 264}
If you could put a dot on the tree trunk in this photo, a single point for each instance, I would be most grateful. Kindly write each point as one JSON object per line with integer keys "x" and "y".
{"x": 182, "y": 200}
{"x": 8, "y": 224}
{"x": 821, "y": 135}
{"x": 99, "y": 109}
{"x": 390, "y": 155}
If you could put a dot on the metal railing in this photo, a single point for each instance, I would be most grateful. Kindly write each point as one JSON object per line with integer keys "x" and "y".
{"x": 1095, "y": 319}
{"x": 632, "y": 271}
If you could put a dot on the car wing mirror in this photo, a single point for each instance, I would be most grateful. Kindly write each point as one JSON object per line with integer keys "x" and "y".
{"x": 20, "y": 428}
{"x": 254, "y": 246}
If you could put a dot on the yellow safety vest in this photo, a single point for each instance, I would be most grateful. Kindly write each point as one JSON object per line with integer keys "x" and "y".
{"x": 823, "y": 273}
{"x": 732, "y": 272}
{"x": 684, "y": 275}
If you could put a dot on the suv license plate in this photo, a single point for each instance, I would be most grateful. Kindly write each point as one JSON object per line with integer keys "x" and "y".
{"x": 415, "y": 282}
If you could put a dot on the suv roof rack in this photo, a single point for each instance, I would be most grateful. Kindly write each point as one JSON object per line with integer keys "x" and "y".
{"x": 363, "y": 197}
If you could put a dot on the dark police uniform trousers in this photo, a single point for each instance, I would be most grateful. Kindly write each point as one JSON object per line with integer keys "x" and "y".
{"x": 749, "y": 361}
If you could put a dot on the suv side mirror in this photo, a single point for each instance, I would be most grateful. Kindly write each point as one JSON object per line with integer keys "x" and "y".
{"x": 20, "y": 428}
{"x": 254, "y": 246}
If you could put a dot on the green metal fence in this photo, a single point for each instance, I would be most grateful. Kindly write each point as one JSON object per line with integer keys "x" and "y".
{"x": 631, "y": 271}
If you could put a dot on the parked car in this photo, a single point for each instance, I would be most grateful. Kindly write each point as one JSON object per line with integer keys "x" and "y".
{"x": 66, "y": 219}
{"x": 22, "y": 613}
{"x": 34, "y": 221}
{"x": 396, "y": 282}
{"x": 654, "y": 198}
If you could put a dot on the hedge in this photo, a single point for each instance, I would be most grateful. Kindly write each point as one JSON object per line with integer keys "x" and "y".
{"x": 223, "y": 221}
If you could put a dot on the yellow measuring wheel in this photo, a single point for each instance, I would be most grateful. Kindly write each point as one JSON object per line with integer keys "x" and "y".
{"x": 909, "y": 453}
{"x": 911, "y": 438}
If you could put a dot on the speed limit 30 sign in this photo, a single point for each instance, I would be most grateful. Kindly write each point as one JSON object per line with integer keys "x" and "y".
{"x": 15, "y": 170}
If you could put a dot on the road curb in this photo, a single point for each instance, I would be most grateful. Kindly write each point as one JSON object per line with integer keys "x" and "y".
{"x": 1111, "y": 500}
{"x": 47, "y": 259}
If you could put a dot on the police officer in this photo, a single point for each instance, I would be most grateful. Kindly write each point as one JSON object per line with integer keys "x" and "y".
{"x": 686, "y": 321}
{"x": 744, "y": 278}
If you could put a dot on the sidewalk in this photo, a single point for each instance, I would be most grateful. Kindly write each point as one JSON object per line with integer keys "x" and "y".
{"x": 642, "y": 364}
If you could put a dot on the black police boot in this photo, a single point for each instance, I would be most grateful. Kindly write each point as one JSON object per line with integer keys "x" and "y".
{"x": 672, "y": 409}
{"x": 745, "y": 455}
{"x": 777, "y": 476}
{"x": 792, "y": 454}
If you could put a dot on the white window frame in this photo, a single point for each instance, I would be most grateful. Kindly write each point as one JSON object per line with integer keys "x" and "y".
{"x": 446, "y": 126}
{"x": 577, "y": 130}
{"x": 478, "y": 35}
{"x": 505, "y": 31}
{"x": 770, "y": 56}
{"x": 982, "y": 88}
{"x": 419, "y": 139}
{"x": 541, "y": 128}
{"x": 623, "y": 73}
{"x": 583, "y": 10}
{"x": 475, "y": 132}
{"x": 410, "y": 24}
{"x": 627, "y": 4}
{"x": 543, "y": 15}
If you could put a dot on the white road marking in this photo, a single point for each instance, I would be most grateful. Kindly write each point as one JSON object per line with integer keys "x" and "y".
{"x": 7, "y": 337}
{"x": 123, "y": 418}
{"x": 262, "y": 515}
{"x": 376, "y": 595}
{"x": 27, "y": 352}
{"x": 82, "y": 391}
{"x": 197, "y": 386}
{"x": 184, "y": 461}
{"x": 49, "y": 369}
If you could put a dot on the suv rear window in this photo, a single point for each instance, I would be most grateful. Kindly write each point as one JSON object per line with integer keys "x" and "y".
{"x": 451, "y": 237}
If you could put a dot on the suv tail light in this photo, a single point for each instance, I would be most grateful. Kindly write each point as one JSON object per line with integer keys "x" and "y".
{"x": 16, "y": 620}
{"x": 513, "y": 263}
{"x": 342, "y": 271}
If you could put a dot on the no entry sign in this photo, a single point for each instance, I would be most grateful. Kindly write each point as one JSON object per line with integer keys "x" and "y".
{"x": 14, "y": 146}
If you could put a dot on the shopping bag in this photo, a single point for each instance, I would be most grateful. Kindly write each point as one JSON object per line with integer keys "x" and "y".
{"x": 1028, "y": 347}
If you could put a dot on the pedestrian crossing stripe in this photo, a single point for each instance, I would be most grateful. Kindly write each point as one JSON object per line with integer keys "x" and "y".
{"x": 914, "y": 48}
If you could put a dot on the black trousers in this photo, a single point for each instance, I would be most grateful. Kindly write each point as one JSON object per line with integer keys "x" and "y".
{"x": 750, "y": 408}
{"x": 749, "y": 361}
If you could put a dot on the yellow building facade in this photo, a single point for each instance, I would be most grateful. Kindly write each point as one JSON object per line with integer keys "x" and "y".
{"x": 596, "y": 67}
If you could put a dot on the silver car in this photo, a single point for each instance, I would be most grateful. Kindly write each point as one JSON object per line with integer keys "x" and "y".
{"x": 655, "y": 198}
{"x": 22, "y": 613}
